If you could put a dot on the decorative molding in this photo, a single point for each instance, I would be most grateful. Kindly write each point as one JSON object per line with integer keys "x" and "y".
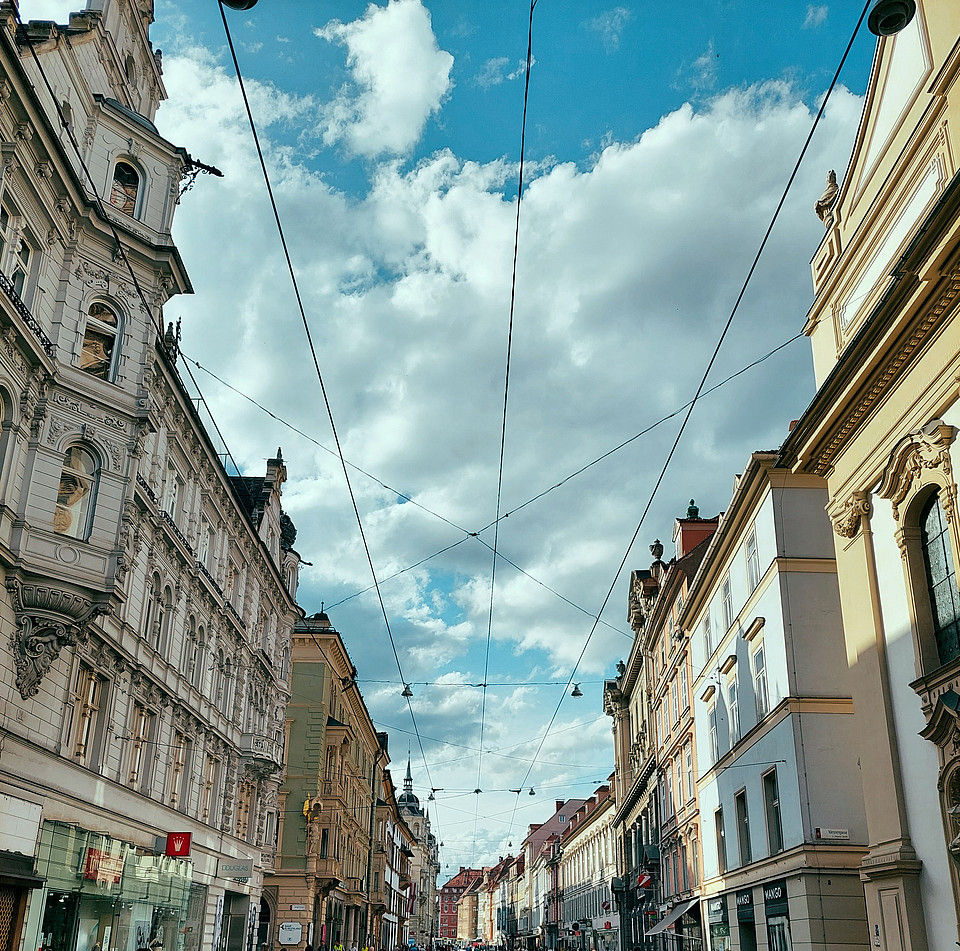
{"x": 861, "y": 409}
{"x": 50, "y": 616}
{"x": 846, "y": 521}
{"x": 927, "y": 449}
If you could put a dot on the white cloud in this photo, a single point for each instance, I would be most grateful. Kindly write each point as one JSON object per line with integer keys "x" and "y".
{"x": 610, "y": 25}
{"x": 816, "y": 16}
{"x": 399, "y": 78}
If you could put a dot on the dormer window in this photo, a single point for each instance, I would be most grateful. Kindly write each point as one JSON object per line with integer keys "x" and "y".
{"x": 126, "y": 186}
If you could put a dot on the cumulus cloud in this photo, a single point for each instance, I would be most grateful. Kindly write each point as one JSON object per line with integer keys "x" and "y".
{"x": 610, "y": 25}
{"x": 399, "y": 78}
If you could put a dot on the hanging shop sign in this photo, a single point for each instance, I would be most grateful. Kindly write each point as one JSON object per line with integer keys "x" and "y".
{"x": 178, "y": 844}
{"x": 234, "y": 868}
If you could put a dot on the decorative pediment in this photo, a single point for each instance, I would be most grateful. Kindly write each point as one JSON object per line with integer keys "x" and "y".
{"x": 50, "y": 615}
{"x": 926, "y": 450}
{"x": 944, "y": 721}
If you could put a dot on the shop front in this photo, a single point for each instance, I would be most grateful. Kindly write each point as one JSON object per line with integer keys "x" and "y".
{"x": 778, "y": 916}
{"x": 104, "y": 894}
{"x": 718, "y": 921}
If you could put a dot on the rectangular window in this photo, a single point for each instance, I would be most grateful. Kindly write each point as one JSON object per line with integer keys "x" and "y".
{"x": 679, "y": 777}
{"x": 178, "y": 769}
{"x": 714, "y": 740}
{"x": 707, "y": 634}
{"x": 743, "y": 827}
{"x": 688, "y": 761}
{"x": 684, "y": 695}
{"x": 141, "y": 734}
{"x": 760, "y": 682}
{"x": 771, "y": 807}
{"x": 695, "y": 862}
{"x": 208, "y": 797}
{"x": 721, "y": 840}
{"x": 753, "y": 561}
{"x": 675, "y": 702}
{"x": 88, "y": 698}
{"x": 684, "y": 869}
{"x": 726, "y": 598}
{"x": 733, "y": 711}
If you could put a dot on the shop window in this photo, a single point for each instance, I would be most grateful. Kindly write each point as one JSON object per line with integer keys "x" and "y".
{"x": 98, "y": 356}
{"x": 126, "y": 188}
{"x": 743, "y": 827}
{"x": 941, "y": 579}
{"x": 778, "y": 933}
{"x": 75, "y": 493}
{"x": 760, "y": 683}
{"x": 771, "y": 808}
{"x": 89, "y": 701}
{"x": 753, "y": 561}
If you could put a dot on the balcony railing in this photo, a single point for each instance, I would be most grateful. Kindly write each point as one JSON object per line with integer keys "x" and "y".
{"x": 18, "y": 305}
{"x": 263, "y": 749}
{"x": 172, "y": 525}
{"x": 151, "y": 495}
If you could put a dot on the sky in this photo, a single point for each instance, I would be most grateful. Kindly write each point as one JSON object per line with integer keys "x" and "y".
{"x": 658, "y": 142}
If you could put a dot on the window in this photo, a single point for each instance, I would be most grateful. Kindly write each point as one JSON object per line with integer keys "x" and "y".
{"x": 733, "y": 711}
{"x": 179, "y": 769}
{"x": 941, "y": 579}
{"x": 721, "y": 840}
{"x": 78, "y": 478}
{"x": 753, "y": 561}
{"x": 684, "y": 699}
{"x": 714, "y": 741}
{"x": 771, "y": 808}
{"x": 100, "y": 342}
{"x": 726, "y": 597}
{"x": 760, "y": 683}
{"x": 242, "y": 819}
{"x": 88, "y": 699}
{"x": 688, "y": 762}
{"x": 171, "y": 490}
{"x": 695, "y": 862}
{"x": 126, "y": 185}
{"x": 679, "y": 775}
{"x": 141, "y": 734}
{"x": 743, "y": 827}
{"x": 199, "y": 649}
{"x": 208, "y": 799}
{"x": 675, "y": 702}
{"x": 707, "y": 634}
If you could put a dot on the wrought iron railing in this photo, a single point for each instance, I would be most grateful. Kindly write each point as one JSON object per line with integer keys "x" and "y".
{"x": 28, "y": 318}
{"x": 172, "y": 525}
{"x": 146, "y": 488}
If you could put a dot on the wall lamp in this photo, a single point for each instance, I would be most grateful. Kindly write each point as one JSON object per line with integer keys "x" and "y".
{"x": 890, "y": 16}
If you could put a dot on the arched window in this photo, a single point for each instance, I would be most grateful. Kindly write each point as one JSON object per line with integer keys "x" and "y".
{"x": 100, "y": 342}
{"x": 941, "y": 579}
{"x": 153, "y": 613}
{"x": 126, "y": 186}
{"x": 75, "y": 494}
{"x": 164, "y": 621}
{"x": 218, "y": 693}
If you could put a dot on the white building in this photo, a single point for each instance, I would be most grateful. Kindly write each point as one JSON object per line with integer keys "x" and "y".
{"x": 148, "y": 597}
{"x": 780, "y": 800}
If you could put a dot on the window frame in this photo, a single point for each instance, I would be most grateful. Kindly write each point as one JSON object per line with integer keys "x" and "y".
{"x": 113, "y": 185}
{"x": 84, "y": 515}
{"x": 726, "y": 603}
{"x": 95, "y": 325}
{"x": 752, "y": 556}
{"x": 722, "y": 858}
{"x": 771, "y": 811}
{"x": 742, "y": 814}
{"x": 761, "y": 691}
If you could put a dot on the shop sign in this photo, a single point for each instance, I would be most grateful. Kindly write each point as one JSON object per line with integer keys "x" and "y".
{"x": 289, "y": 932}
{"x": 178, "y": 844}
{"x": 234, "y": 868}
{"x": 102, "y": 867}
{"x": 745, "y": 905}
{"x": 717, "y": 909}
{"x": 775, "y": 897}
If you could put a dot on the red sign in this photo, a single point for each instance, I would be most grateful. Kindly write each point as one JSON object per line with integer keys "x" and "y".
{"x": 178, "y": 844}
{"x": 607, "y": 924}
{"x": 103, "y": 868}
{"x": 643, "y": 880}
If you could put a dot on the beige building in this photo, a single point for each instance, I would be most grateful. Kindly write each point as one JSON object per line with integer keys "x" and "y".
{"x": 882, "y": 432}
{"x": 147, "y": 595}
{"x": 424, "y": 866}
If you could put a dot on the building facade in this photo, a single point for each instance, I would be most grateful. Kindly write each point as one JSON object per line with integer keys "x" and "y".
{"x": 449, "y": 895}
{"x": 881, "y": 431}
{"x": 424, "y": 866}
{"x": 148, "y": 596}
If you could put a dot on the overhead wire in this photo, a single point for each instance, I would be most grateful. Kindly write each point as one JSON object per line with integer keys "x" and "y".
{"x": 700, "y": 388}
{"x": 316, "y": 363}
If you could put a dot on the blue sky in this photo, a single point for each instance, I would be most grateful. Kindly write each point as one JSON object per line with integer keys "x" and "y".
{"x": 659, "y": 139}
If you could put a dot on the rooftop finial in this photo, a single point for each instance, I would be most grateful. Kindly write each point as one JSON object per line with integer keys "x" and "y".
{"x": 693, "y": 510}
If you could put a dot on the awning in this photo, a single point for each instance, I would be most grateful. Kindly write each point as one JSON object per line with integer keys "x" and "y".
{"x": 678, "y": 912}
{"x": 18, "y": 869}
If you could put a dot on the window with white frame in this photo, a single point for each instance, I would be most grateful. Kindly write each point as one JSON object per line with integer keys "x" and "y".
{"x": 141, "y": 735}
{"x": 733, "y": 710}
{"x": 714, "y": 739}
{"x": 760, "y": 682}
{"x": 684, "y": 695}
{"x": 688, "y": 767}
{"x": 675, "y": 702}
{"x": 678, "y": 772}
{"x": 16, "y": 251}
{"x": 726, "y": 600}
{"x": 721, "y": 839}
{"x": 89, "y": 690}
{"x": 208, "y": 788}
{"x": 743, "y": 827}
{"x": 99, "y": 352}
{"x": 771, "y": 808}
{"x": 707, "y": 634}
{"x": 753, "y": 560}
{"x": 178, "y": 785}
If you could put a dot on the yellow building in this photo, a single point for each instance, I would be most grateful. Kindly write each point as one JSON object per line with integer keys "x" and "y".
{"x": 881, "y": 430}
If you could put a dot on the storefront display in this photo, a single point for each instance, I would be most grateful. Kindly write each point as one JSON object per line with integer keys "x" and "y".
{"x": 719, "y": 922}
{"x": 778, "y": 916}
{"x": 103, "y": 894}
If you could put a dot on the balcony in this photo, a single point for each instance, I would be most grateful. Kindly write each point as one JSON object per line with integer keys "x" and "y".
{"x": 10, "y": 290}
{"x": 262, "y": 752}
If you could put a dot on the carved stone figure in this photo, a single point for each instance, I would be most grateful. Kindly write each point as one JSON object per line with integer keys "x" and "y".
{"x": 824, "y": 204}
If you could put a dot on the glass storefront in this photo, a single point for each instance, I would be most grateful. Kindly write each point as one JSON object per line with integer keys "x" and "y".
{"x": 103, "y": 894}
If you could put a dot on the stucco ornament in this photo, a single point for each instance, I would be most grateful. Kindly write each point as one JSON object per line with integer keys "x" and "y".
{"x": 49, "y": 618}
{"x": 925, "y": 451}
{"x": 847, "y": 522}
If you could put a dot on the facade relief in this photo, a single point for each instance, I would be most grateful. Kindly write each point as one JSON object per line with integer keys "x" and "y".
{"x": 848, "y": 516}
{"x": 920, "y": 458}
